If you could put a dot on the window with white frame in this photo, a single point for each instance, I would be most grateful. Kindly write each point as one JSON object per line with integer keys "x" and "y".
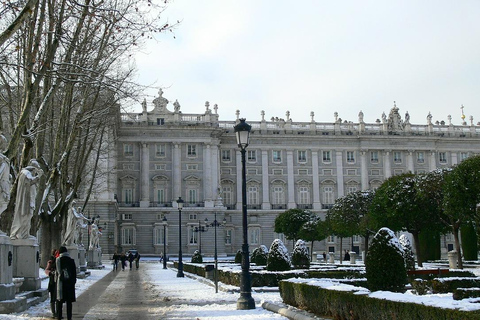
{"x": 442, "y": 157}
{"x": 226, "y": 156}
{"x": 128, "y": 149}
{"x": 328, "y": 195}
{"x": 304, "y": 195}
{"x": 331, "y": 239}
{"x": 158, "y": 235}
{"x": 128, "y": 236}
{"x": 160, "y": 195}
{"x": 302, "y": 156}
{"x": 351, "y": 188}
{"x": 160, "y": 150}
{"x": 192, "y": 196}
{"x": 227, "y": 194}
{"x": 278, "y": 194}
{"x": 327, "y": 156}
{"x": 191, "y": 150}
{"x": 128, "y": 166}
{"x": 463, "y": 156}
{"x": 127, "y": 216}
{"x": 350, "y": 156}
{"x": 128, "y": 195}
{"x": 192, "y": 216}
{"x": 397, "y": 157}
{"x": 254, "y": 235}
{"x": 374, "y": 156}
{"x": 228, "y": 236}
{"x": 192, "y": 235}
{"x": 356, "y": 238}
{"x": 160, "y": 167}
{"x": 191, "y": 167}
{"x": 277, "y": 156}
{"x": 252, "y": 194}
{"x": 420, "y": 157}
{"x": 251, "y": 155}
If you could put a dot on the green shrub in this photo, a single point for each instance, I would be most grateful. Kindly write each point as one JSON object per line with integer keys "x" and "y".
{"x": 260, "y": 256}
{"x": 385, "y": 267}
{"x": 300, "y": 258}
{"x": 278, "y": 259}
{"x": 197, "y": 257}
{"x": 238, "y": 256}
{"x": 408, "y": 256}
{"x": 464, "y": 293}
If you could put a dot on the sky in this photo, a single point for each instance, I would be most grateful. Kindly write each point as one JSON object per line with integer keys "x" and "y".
{"x": 196, "y": 299}
{"x": 320, "y": 56}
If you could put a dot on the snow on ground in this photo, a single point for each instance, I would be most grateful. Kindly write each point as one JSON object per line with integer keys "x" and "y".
{"x": 197, "y": 296}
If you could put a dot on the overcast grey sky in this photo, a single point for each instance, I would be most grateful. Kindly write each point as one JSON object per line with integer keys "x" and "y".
{"x": 320, "y": 56}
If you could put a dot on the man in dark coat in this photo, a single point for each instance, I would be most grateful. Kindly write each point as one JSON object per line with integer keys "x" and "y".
{"x": 66, "y": 279}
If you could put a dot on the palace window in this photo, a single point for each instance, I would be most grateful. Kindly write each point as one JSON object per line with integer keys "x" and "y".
{"x": 420, "y": 157}
{"x": 252, "y": 195}
{"x": 191, "y": 150}
{"x": 158, "y": 235}
{"x": 252, "y": 155}
{"x": 327, "y": 156}
{"x": 228, "y": 236}
{"x": 302, "y": 156}
{"x": 226, "y": 156}
{"x": 159, "y": 150}
{"x": 192, "y": 235}
{"x": 127, "y": 149}
{"x": 128, "y": 236}
{"x": 254, "y": 235}
{"x": 303, "y": 195}
{"x": 442, "y": 157}
{"x": 277, "y": 156}
{"x": 374, "y": 156}
{"x": 350, "y": 156}
{"x": 397, "y": 157}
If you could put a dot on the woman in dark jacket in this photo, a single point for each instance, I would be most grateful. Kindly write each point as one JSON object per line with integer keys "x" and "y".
{"x": 52, "y": 287}
{"x": 66, "y": 279}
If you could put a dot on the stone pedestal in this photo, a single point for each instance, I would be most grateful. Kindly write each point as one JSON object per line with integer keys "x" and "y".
{"x": 26, "y": 263}
{"x": 453, "y": 259}
{"x": 94, "y": 258}
{"x": 73, "y": 251}
{"x": 353, "y": 257}
{"x": 314, "y": 257}
{"x": 331, "y": 257}
{"x": 7, "y": 287}
{"x": 82, "y": 259}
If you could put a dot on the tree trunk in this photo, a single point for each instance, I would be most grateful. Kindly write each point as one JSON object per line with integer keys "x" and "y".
{"x": 50, "y": 235}
{"x": 418, "y": 249}
{"x": 455, "y": 228}
{"x": 341, "y": 250}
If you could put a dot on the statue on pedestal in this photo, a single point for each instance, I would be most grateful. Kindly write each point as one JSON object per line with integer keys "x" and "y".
{"x": 25, "y": 200}
{"x": 94, "y": 237}
{"x": 5, "y": 181}
{"x": 75, "y": 221}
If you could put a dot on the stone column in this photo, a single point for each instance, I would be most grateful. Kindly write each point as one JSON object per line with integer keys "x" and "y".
{"x": 410, "y": 166}
{"x": 364, "y": 169}
{"x": 316, "y": 181}
{"x": 265, "y": 182}
{"x": 145, "y": 172}
{"x": 290, "y": 181}
{"x": 339, "y": 163}
{"x": 387, "y": 170}
{"x": 177, "y": 171}
{"x": 454, "y": 156}
{"x": 432, "y": 165}
{"x": 207, "y": 175}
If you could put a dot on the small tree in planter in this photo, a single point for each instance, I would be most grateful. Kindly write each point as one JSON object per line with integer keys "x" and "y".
{"x": 278, "y": 259}
{"x": 260, "y": 256}
{"x": 197, "y": 257}
{"x": 408, "y": 256}
{"x": 384, "y": 264}
{"x": 238, "y": 256}
{"x": 300, "y": 257}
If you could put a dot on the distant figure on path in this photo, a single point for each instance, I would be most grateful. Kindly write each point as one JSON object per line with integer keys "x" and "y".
{"x": 347, "y": 256}
{"x": 50, "y": 271}
{"x": 25, "y": 200}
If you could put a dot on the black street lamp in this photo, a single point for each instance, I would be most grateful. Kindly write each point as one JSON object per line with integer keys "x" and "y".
{"x": 200, "y": 229}
{"x": 245, "y": 302}
{"x": 180, "y": 263}
{"x": 216, "y": 224}
{"x": 164, "y": 220}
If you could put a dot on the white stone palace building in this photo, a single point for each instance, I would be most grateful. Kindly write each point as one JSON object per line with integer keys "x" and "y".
{"x": 160, "y": 155}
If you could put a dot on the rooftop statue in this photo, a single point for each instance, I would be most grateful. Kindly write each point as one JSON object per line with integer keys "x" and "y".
{"x": 160, "y": 102}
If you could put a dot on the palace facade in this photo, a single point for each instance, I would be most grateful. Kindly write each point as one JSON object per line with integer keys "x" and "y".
{"x": 160, "y": 155}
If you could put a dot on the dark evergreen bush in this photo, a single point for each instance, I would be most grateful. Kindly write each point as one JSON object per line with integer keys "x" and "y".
{"x": 385, "y": 266}
{"x": 300, "y": 257}
{"x": 278, "y": 259}
{"x": 260, "y": 256}
{"x": 238, "y": 256}
{"x": 197, "y": 257}
{"x": 408, "y": 256}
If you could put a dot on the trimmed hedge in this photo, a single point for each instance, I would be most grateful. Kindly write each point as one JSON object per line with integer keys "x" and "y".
{"x": 464, "y": 293}
{"x": 348, "y": 305}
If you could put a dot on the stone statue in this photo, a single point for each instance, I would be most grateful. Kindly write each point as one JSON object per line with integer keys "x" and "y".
{"x": 407, "y": 118}
{"x": 360, "y": 116}
{"x": 429, "y": 118}
{"x": 144, "y": 105}
{"x": 5, "y": 181}
{"x": 94, "y": 237}
{"x": 160, "y": 102}
{"x": 75, "y": 221}
{"x": 25, "y": 200}
{"x": 176, "y": 106}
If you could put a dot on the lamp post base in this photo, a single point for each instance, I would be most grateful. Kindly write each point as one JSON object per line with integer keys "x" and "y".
{"x": 180, "y": 274}
{"x": 245, "y": 302}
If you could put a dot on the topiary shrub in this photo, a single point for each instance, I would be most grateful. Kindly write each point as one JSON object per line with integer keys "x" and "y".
{"x": 384, "y": 264}
{"x": 278, "y": 259}
{"x": 408, "y": 256}
{"x": 238, "y": 256}
{"x": 197, "y": 257}
{"x": 260, "y": 256}
{"x": 300, "y": 257}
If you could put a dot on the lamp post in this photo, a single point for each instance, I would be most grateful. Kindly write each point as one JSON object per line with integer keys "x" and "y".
{"x": 164, "y": 220}
{"x": 245, "y": 302}
{"x": 200, "y": 229}
{"x": 180, "y": 263}
{"x": 215, "y": 256}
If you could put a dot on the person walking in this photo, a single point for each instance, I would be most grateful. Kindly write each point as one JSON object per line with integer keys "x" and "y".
{"x": 347, "y": 256}
{"x": 137, "y": 260}
{"x": 123, "y": 260}
{"x": 66, "y": 279}
{"x": 131, "y": 257}
{"x": 115, "y": 259}
{"x": 52, "y": 288}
